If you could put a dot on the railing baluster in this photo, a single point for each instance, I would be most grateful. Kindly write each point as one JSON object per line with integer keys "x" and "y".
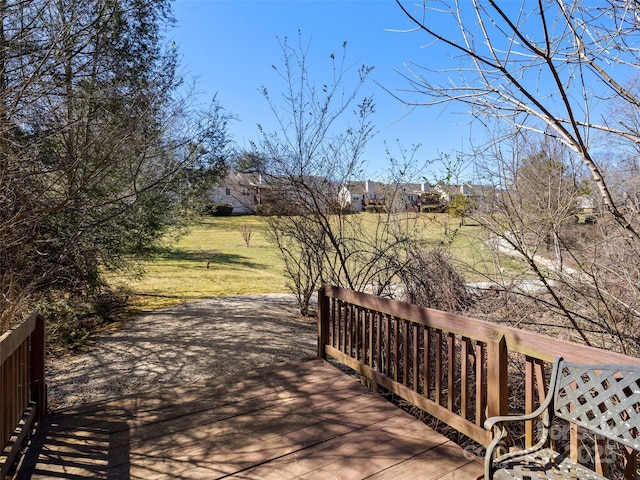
{"x": 339, "y": 325}
{"x": 24, "y": 376}
{"x": 438, "y": 373}
{"x": 387, "y": 345}
{"x": 334, "y": 323}
{"x": 357, "y": 334}
{"x": 426, "y": 372}
{"x": 13, "y": 407}
{"x": 405, "y": 352}
{"x": 323, "y": 323}
{"x": 6, "y": 393}
{"x": 363, "y": 336}
{"x": 37, "y": 367}
{"x": 481, "y": 392}
{"x": 600, "y": 455}
{"x": 464, "y": 377}
{"x": 349, "y": 327}
{"x": 364, "y": 333}
{"x": 396, "y": 348}
{"x": 340, "y": 335}
{"x": 416, "y": 358}
{"x": 22, "y": 398}
{"x": 370, "y": 316}
{"x": 451, "y": 370}
{"x": 529, "y": 401}
{"x": 534, "y": 373}
{"x": 379, "y": 362}
{"x": 574, "y": 442}
{"x": 353, "y": 328}
{"x": 630, "y": 463}
{"x": 354, "y": 331}
{"x": 343, "y": 326}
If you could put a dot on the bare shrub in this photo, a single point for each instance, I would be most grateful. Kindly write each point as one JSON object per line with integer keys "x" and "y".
{"x": 246, "y": 231}
{"x": 302, "y": 245}
{"x": 430, "y": 280}
{"x": 543, "y": 151}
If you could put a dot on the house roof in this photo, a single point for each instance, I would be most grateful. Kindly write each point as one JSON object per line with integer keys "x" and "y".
{"x": 379, "y": 188}
{"x": 239, "y": 179}
{"x": 356, "y": 188}
{"x": 402, "y": 188}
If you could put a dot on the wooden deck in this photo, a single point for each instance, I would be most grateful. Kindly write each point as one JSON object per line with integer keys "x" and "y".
{"x": 293, "y": 420}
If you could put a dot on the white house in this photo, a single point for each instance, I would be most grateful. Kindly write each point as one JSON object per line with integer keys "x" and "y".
{"x": 400, "y": 197}
{"x": 242, "y": 190}
{"x": 246, "y": 190}
{"x": 447, "y": 192}
{"x": 354, "y": 196}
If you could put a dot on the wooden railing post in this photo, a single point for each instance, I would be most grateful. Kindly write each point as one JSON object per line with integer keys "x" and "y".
{"x": 38, "y": 387}
{"x": 497, "y": 380}
{"x": 323, "y": 322}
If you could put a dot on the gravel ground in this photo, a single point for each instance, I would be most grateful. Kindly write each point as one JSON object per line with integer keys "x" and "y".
{"x": 181, "y": 344}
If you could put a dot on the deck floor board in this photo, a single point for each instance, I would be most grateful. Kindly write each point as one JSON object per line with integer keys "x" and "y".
{"x": 304, "y": 420}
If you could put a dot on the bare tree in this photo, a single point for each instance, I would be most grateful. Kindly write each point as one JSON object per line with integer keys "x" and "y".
{"x": 302, "y": 246}
{"x": 246, "y": 231}
{"x": 538, "y": 66}
{"x": 308, "y": 158}
{"x": 316, "y": 152}
{"x": 566, "y": 73}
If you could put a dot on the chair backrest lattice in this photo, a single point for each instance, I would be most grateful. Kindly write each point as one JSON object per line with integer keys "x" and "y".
{"x": 604, "y": 399}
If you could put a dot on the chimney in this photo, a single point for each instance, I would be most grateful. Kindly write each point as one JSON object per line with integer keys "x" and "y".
{"x": 370, "y": 189}
{"x": 424, "y": 187}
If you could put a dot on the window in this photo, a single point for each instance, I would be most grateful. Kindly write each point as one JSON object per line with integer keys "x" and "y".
{"x": 227, "y": 191}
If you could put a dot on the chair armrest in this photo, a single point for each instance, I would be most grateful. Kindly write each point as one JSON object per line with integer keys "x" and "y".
{"x": 500, "y": 433}
{"x": 490, "y": 422}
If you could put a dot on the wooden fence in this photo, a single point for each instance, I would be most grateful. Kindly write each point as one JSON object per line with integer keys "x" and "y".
{"x": 23, "y": 392}
{"x": 458, "y": 369}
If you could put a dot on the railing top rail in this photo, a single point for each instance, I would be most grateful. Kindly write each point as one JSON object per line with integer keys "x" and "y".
{"x": 13, "y": 338}
{"x": 535, "y": 345}
{"x": 457, "y": 324}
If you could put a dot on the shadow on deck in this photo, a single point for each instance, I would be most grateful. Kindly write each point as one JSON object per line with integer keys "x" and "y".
{"x": 292, "y": 420}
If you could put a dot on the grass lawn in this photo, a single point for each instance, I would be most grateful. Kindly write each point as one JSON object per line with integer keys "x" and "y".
{"x": 467, "y": 244}
{"x": 212, "y": 260}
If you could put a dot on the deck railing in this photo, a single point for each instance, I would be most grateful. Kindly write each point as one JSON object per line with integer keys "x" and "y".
{"x": 23, "y": 393}
{"x": 458, "y": 369}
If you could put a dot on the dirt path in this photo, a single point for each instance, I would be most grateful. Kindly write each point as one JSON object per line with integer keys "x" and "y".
{"x": 188, "y": 342}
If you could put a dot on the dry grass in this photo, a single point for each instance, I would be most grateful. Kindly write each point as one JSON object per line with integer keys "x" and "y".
{"x": 467, "y": 244}
{"x": 212, "y": 260}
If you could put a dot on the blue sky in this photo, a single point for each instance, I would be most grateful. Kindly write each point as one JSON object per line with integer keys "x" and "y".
{"x": 229, "y": 47}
